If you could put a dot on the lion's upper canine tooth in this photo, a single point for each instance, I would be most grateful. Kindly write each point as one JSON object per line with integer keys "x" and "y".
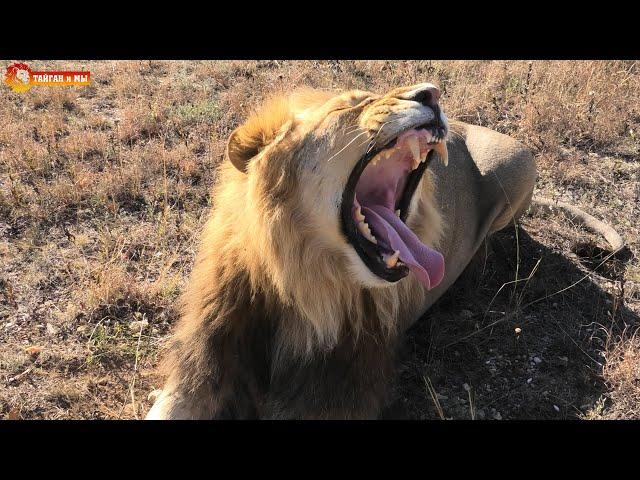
{"x": 441, "y": 149}
{"x": 414, "y": 146}
{"x": 391, "y": 260}
{"x": 366, "y": 232}
{"x": 359, "y": 216}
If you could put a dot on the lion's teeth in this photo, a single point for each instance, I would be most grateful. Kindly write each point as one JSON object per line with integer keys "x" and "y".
{"x": 391, "y": 260}
{"x": 363, "y": 227}
{"x": 423, "y": 157}
{"x": 359, "y": 216}
{"x": 414, "y": 146}
{"x": 441, "y": 149}
{"x": 398, "y": 213}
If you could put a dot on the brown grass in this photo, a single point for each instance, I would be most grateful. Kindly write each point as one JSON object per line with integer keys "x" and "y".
{"x": 103, "y": 190}
{"x": 622, "y": 373}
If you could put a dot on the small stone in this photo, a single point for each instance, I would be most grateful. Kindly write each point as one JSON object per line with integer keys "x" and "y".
{"x": 497, "y": 416}
{"x": 564, "y": 360}
{"x": 556, "y": 408}
{"x": 138, "y": 325}
{"x": 529, "y": 380}
{"x": 480, "y": 414}
{"x": 52, "y": 330}
{"x": 82, "y": 329}
{"x": 518, "y": 330}
{"x": 537, "y": 360}
{"x": 466, "y": 313}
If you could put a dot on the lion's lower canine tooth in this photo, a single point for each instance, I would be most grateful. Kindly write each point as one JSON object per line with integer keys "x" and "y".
{"x": 391, "y": 260}
{"x": 398, "y": 212}
{"x": 366, "y": 232}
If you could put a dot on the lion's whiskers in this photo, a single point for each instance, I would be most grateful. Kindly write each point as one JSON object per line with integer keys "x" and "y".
{"x": 373, "y": 140}
{"x": 347, "y": 145}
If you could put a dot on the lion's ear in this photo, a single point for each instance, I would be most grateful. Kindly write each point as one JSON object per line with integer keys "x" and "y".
{"x": 257, "y": 132}
{"x": 241, "y": 148}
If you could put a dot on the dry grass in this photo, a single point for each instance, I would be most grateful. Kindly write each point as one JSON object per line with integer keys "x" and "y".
{"x": 622, "y": 373}
{"x": 103, "y": 190}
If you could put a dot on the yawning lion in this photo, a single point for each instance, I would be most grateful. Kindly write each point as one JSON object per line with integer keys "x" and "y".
{"x": 338, "y": 220}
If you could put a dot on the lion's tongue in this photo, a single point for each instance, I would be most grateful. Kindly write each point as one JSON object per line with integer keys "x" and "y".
{"x": 391, "y": 232}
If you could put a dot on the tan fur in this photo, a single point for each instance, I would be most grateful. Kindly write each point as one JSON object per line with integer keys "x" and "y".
{"x": 283, "y": 233}
{"x": 273, "y": 259}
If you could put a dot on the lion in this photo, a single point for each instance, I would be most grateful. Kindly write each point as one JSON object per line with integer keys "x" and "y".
{"x": 23, "y": 75}
{"x": 338, "y": 219}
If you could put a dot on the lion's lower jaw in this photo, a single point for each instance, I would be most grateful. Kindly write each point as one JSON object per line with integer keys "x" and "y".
{"x": 361, "y": 274}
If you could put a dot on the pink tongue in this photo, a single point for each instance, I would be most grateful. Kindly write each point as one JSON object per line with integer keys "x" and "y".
{"x": 426, "y": 263}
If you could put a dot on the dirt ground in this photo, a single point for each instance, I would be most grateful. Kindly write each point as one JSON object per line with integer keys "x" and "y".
{"x": 104, "y": 189}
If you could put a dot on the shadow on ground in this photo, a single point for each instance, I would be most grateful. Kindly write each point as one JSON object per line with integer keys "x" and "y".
{"x": 493, "y": 348}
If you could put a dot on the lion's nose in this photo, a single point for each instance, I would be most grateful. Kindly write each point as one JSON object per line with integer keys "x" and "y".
{"x": 427, "y": 96}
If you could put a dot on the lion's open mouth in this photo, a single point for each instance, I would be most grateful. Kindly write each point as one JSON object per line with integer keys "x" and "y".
{"x": 376, "y": 201}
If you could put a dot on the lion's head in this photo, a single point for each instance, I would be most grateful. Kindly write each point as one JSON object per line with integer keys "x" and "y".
{"x": 318, "y": 199}
{"x": 23, "y": 75}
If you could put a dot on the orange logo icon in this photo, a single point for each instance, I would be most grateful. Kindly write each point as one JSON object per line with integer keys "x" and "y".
{"x": 20, "y": 78}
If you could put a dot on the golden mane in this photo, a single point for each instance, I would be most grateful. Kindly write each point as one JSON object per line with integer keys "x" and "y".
{"x": 266, "y": 260}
